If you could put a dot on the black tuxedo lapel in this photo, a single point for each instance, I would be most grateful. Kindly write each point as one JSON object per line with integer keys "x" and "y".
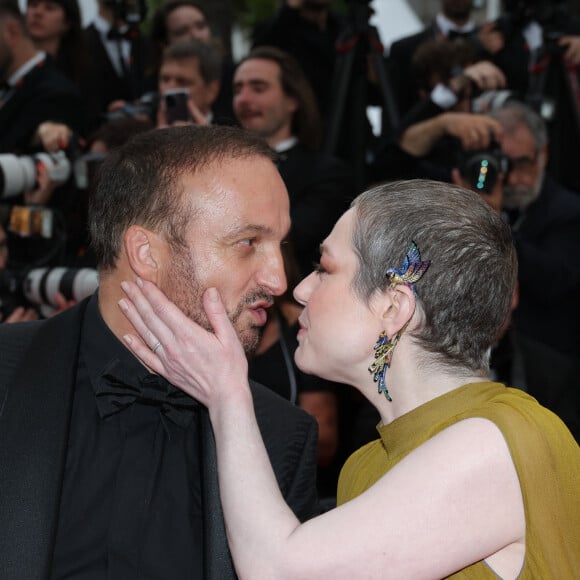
{"x": 33, "y": 440}
{"x": 217, "y": 562}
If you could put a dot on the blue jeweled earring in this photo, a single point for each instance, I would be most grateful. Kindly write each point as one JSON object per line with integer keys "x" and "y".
{"x": 411, "y": 271}
{"x": 384, "y": 348}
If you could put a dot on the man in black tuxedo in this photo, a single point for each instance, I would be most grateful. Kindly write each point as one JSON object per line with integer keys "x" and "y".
{"x": 116, "y": 69}
{"x": 32, "y": 90}
{"x": 108, "y": 471}
{"x": 273, "y": 99}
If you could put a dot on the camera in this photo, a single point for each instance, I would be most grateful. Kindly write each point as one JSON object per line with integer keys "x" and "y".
{"x": 176, "y": 108}
{"x": 486, "y": 101}
{"x": 39, "y": 286}
{"x": 145, "y": 106}
{"x": 482, "y": 168}
{"x": 18, "y": 173}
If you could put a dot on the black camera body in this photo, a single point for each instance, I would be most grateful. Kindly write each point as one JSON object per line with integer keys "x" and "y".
{"x": 144, "y": 107}
{"x": 482, "y": 168}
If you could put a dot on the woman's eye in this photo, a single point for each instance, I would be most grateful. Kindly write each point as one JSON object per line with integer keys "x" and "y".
{"x": 318, "y": 268}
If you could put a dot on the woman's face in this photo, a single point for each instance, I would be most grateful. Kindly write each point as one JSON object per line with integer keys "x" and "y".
{"x": 337, "y": 329}
{"x": 187, "y": 23}
{"x": 46, "y": 19}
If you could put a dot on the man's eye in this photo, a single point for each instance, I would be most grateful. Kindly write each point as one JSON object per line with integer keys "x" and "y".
{"x": 249, "y": 242}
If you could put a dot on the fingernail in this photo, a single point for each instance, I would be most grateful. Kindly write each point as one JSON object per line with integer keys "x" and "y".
{"x": 127, "y": 339}
{"x": 139, "y": 282}
{"x": 124, "y": 286}
{"x": 123, "y": 305}
{"x": 212, "y": 294}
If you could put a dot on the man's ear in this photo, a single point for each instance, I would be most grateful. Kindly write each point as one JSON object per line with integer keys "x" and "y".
{"x": 144, "y": 251}
{"x": 398, "y": 308}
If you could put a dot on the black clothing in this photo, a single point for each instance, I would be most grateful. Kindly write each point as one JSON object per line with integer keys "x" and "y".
{"x": 139, "y": 485}
{"x": 313, "y": 48}
{"x": 320, "y": 188}
{"x": 547, "y": 236}
{"x": 545, "y": 77}
{"x": 41, "y": 363}
{"x": 277, "y": 369}
{"x": 103, "y": 84}
{"x": 43, "y": 94}
{"x": 400, "y": 62}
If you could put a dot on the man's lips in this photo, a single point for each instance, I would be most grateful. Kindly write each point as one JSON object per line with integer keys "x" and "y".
{"x": 249, "y": 115}
{"x": 259, "y": 312}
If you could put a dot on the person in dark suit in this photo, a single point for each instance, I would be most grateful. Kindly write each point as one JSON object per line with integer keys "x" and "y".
{"x": 107, "y": 472}
{"x": 116, "y": 69}
{"x": 453, "y": 21}
{"x": 273, "y": 99}
{"x": 32, "y": 90}
{"x": 181, "y": 20}
{"x": 308, "y": 30}
{"x": 545, "y": 220}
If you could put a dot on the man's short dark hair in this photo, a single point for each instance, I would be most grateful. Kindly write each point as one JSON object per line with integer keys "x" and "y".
{"x": 208, "y": 56}
{"x": 139, "y": 183}
{"x": 465, "y": 295}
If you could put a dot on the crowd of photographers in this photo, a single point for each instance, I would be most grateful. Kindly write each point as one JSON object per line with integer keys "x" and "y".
{"x": 490, "y": 106}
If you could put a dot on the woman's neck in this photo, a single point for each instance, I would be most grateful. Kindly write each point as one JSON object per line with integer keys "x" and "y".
{"x": 412, "y": 383}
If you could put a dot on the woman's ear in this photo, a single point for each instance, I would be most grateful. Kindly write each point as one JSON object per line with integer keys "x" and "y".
{"x": 144, "y": 252}
{"x": 398, "y": 309}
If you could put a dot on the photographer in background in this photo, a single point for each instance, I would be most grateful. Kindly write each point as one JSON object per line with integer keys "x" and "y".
{"x": 538, "y": 49}
{"x": 20, "y": 313}
{"x": 181, "y": 20}
{"x": 11, "y": 312}
{"x": 452, "y": 24}
{"x": 188, "y": 86}
{"x": 545, "y": 221}
{"x": 425, "y": 144}
{"x": 32, "y": 90}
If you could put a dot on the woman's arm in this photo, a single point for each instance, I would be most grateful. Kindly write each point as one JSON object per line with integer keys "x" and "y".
{"x": 453, "y": 501}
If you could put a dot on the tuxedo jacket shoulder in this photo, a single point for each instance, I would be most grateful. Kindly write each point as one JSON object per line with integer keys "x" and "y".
{"x": 44, "y": 94}
{"x": 37, "y": 378}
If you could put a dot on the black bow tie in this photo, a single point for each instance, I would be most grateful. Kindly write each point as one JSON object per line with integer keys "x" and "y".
{"x": 116, "y": 391}
{"x": 455, "y": 34}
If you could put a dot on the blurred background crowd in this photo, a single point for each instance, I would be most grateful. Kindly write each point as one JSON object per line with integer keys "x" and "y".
{"x": 483, "y": 94}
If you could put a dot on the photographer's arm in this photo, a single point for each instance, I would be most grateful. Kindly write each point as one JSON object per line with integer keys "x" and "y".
{"x": 473, "y": 131}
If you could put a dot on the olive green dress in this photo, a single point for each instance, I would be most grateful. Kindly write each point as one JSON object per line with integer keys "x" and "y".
{"x": 545, "y": 455}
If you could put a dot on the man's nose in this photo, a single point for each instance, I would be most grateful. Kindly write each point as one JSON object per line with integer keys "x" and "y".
{"x": 272, "y": 275}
